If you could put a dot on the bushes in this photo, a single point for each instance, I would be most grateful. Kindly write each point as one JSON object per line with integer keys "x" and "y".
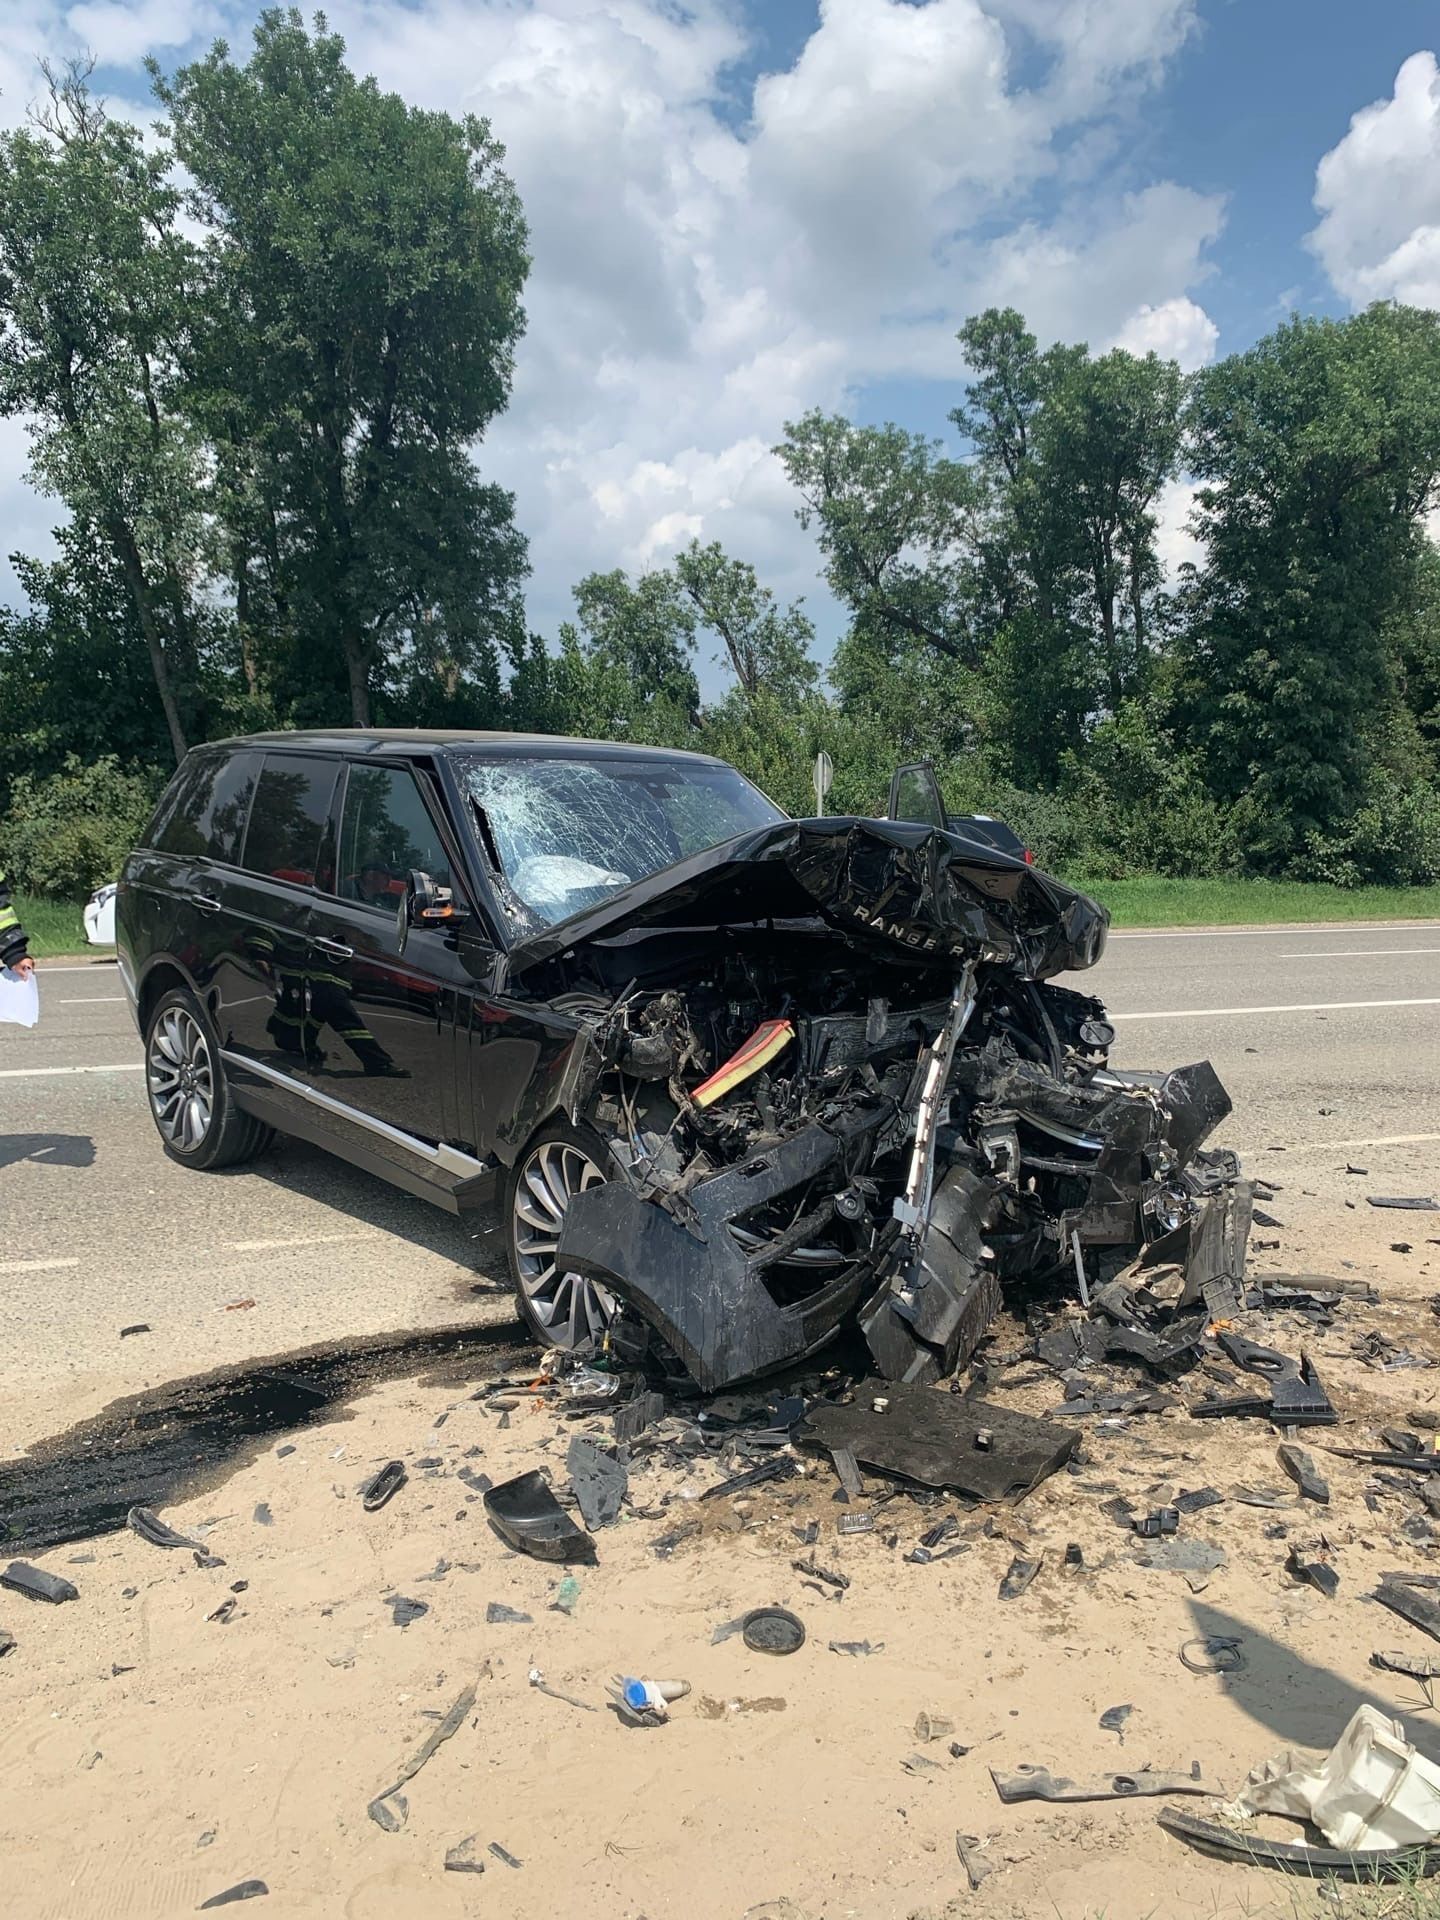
{"x": 66, "y": 834}
{"x": 1393, "y": 839}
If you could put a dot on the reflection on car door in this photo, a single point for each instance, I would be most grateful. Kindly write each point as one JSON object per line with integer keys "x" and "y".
{"x": 260, "y": 974}
{"x": 382, "y": 1023}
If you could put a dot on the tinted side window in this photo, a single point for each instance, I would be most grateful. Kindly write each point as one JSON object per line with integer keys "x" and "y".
{"x": 204, "y": 810}
{"x": 287, "y": 818}
{"x": 386, "y": 830}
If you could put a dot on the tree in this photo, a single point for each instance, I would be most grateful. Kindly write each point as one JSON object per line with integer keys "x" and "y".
{"x": 1318, "y": 452}
{"x": 93, "y": 289}
{"x": 363, "y": 267}
{"x": 624, "y": 669}
{"x": 765, "y": 648}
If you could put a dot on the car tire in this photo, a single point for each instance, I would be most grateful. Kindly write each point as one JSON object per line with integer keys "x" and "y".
{"x": 565, "y": 1310}
{"x": 191, "y": 1102}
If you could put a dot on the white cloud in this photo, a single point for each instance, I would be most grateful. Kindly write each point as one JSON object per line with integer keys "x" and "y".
{"x": 716, "y": 250}
{"x": 1378, "y": 195}
{"x": 1174, "y": 542}
{"x": 1175, "y": 329}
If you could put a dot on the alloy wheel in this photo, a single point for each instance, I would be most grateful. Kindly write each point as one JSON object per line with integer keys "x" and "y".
{"x": 569, "y": 1307}
{"x": 181, "y": 1079}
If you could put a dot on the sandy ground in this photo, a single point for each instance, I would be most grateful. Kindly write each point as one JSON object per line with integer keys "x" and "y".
{"x": 151, "y": 1756}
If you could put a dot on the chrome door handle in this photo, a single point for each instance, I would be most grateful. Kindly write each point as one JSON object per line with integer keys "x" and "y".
{"x": 333, "y": 949}
{"x": 206, "y": 902}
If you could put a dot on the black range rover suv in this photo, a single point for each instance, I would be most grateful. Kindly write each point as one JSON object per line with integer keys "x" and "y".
{"x": 738, "y": 1077}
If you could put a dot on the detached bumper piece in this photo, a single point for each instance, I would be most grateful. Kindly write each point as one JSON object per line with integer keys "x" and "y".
{"x": 1311, "y": 1863}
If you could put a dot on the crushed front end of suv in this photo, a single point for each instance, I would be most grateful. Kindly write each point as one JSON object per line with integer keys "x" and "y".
{"x": 741, "y": 1080}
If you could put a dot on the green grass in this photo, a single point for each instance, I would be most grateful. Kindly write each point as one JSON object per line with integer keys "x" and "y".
{"x": 54, "y": 926}
{"x": 1149, "y": 900}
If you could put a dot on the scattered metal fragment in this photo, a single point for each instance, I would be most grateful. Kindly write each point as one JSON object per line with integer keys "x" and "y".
{"x": 150, "y": 1527}
{"x": 975, "y": 1868}
{"x": 855, "y": 1523}
{"x": 500, "y": 1854}
{"x": 383, "y": 1485}
{"x": 848, "y": 1473}
{"x": 242, "y": 1890}
{"x": 1412, "y": 1203}
{"x": 642, "y": 1412}
{"x": 1310, "y": 1863}
{"x": 36, "y": 1584}
{"x": 1302, "y": 1470}
{"x": 858, "y": 1648}
{"x": 919, "y": 1763}
{"x": 1038, "y": 1783}
{"x": 1402, "y": 1596}
{"x": 829, "y": 1575}
{"x": 1217, "y": 1653}
{"x": 403, "y": 1611}
{"x": 389, "y": 1811}
{"x": 1198, "y": 1500}
{"x": 599, "y": 1480}
{"x": 1019, "y": 1575}
{"x": 463, "y": 1858}
{"x": 529, "y": 1519}
{"x": 497, "y": 1614}
{"x": 1264, "y": 1497}
{"x": 1313, "y": 1573}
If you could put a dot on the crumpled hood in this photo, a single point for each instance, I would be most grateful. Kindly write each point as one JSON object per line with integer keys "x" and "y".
{"x": 897, "y": 883}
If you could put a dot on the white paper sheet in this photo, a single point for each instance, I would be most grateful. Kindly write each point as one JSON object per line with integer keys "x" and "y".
{"x": 19, "y": 998}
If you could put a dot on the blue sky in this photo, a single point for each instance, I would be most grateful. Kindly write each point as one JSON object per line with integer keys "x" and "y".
{"x": 741, "y": 209}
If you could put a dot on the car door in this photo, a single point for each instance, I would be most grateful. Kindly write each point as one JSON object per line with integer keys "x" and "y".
{"x": 915, "y": 795}
{"x": 264, "y": 913}
{"x": 385, "y": 1022}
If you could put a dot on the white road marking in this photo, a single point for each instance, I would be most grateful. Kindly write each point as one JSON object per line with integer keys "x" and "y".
{"x": 1302, "y": 1006}
{"x": 309, "y": 1240}
{"x": 44, "y": 966}
{"x": 104, "y": 999}
{"x": 1354, "y": 953}
{"x": 1280, "y": 927}
{"x": 35, "y": 1266}
{"x": 1333, "y": 1146}
{"x": 42, "y": 1073}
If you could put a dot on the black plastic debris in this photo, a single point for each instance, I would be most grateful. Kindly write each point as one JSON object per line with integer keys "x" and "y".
{"x": 508, "y": 1859}
{"x": 7, "y": 1643}
{"x": 1412, "y": 1203}
{"x": 403, "y": 1611}
{"x": 1113, "y": 1720}
{"x": 1212, "y": 1653}
{"x": 933, "y": 1438}
{"x": 464, "y": 1857}
{"x": 497, "y": 1614}
{"x": 637, "y": 1416}
{"x": 1270, "y": 1497}
{"x": 1197, "y": 1500}
{"x": 1153, "y": 1526}
{"x": 855, "y": 1523}
{"x": 1414, "y": 1666}
{"x": 141, "y": 1326}
{"x": 1402, "y": 1595}
{"x": 773, "y": 1630}
{"x": 225, "y": 1612}
{"x": 389, "y": 1812}
{"x": 1312, "y": 1573}
{"x": 529, "y": 1519}
{"x": 242, "y": 1890}
{"x": 1019, "y": 1575}
{"x": 1303, "y": 1471}
{"x": 1309, "y": 1863}
{"x": 383, "y": 1486}
{"x": 975, "y": 1868}
{"x": 783, "y": 1467}
{"x": 391, "y": 1797}
{"x": 36, "y": 1584}
{"x": 152, "y": 1529}
{"x": 668, "y": 1542}
{"x": 599, "y": 1480}
{"x": 847, "y": 1473}
{"x": 1038, "y": 1783}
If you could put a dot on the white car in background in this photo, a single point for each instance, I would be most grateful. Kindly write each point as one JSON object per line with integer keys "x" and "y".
{"x": 100, "y": 916}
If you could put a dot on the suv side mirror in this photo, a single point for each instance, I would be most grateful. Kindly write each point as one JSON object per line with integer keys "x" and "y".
{"x": 425, "y": 903}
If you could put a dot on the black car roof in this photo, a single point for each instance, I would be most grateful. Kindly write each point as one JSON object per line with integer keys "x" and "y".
{"x": 408, "y": 740}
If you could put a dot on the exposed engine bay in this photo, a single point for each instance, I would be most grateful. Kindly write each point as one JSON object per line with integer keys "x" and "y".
{"x": 834, "y": 1082}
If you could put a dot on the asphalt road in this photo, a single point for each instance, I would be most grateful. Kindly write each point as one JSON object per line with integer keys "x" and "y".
{"x": 1327, "y": 1038}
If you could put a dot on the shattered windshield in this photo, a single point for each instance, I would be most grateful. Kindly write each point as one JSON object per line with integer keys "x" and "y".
{"x": 568, "y": 833}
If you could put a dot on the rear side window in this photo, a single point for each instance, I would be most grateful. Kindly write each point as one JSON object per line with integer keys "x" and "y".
{"x": 287, "y": 819}
{"x": 205, "y": 809}
{"x": 385, "y": 830}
